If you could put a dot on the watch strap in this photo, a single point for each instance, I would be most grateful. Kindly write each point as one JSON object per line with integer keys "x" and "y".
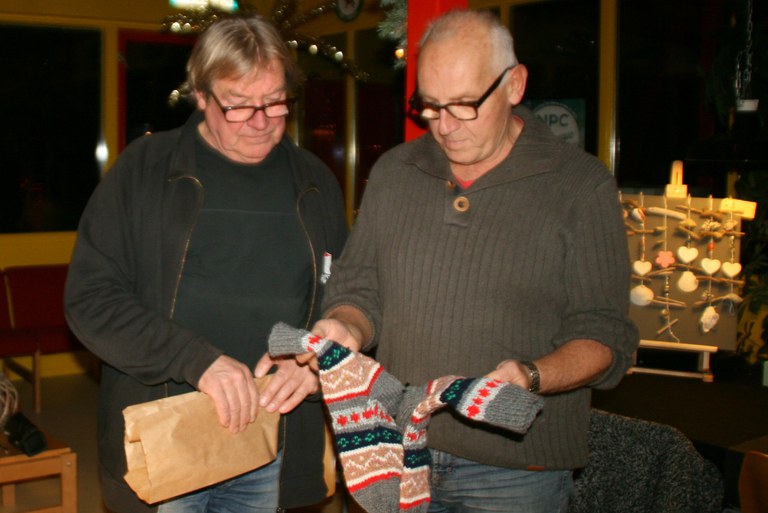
{"x": 534, "y": 378}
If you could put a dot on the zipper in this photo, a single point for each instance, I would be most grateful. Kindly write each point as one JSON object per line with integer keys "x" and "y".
{"x": 310, "y": 309}
{"x": 187, "y": 241}
{"x": 284, "y": 427}
{"x": 313, "y": 298}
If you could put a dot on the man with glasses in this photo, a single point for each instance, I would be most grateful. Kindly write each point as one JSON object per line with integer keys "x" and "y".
{"x": 489, "y": 247}
{"x": 192, "y": 247}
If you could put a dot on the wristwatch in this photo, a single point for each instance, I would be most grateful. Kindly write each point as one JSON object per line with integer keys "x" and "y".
{"x": 534, "y": 378}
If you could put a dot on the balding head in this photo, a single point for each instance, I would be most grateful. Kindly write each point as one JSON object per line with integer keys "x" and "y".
{"x": 478, "y": 32}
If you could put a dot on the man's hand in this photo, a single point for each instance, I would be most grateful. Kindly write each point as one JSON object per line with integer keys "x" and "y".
{"x": 511, "y": 371}
{"x": 233, "y": 390}
{"x": 343, "y": 333}
{"x": 290, "y": 384}
{"x": 575, "y": 364}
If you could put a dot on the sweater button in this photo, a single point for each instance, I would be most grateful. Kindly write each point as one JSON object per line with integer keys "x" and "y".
{"x": 461, "y": 204}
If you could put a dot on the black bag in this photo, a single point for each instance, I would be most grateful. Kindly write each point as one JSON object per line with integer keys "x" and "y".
{"x": 25, "y": 435}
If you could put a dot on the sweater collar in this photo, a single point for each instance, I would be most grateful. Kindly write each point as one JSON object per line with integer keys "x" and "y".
{"x": 532, "y": 154}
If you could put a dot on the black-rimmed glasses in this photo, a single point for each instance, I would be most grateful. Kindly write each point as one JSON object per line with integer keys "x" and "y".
{"x": 463, "y": 110}
{"x": 241, "y": 113}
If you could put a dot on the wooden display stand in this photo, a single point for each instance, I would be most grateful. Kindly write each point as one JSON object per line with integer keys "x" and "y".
{"x": 686, "y": 275}
{"x": 57, "y": 460}
{"x": 704, "y": 370}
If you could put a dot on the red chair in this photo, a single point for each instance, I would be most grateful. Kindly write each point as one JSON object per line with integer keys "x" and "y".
{"x": 14, "y": 343}
{"x": 36, "y": 294}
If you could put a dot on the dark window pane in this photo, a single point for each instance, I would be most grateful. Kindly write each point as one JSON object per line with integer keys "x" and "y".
{"x": 557, "y": 42}
{"x": 154, "y": 65}
{"x": 676, "y": 90}
{"x": 660, "y": 87}
{"x": 323, "y": 108}
{"x": 50, "y": 105}
{"x": 380, "y": 104}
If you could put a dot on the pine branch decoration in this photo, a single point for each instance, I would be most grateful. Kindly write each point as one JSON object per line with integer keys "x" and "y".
{"x": 394, "y": 26}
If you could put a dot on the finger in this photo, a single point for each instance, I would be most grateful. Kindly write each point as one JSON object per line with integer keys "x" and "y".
{"x": 306, "y": 358}
{"x": 508, "y": 371}
{"x": 291, "y": 402}
{"x": 222, "y": 408}
{"x": 275, "y": 384}
{"x": 263, "y": 366}
{"x": 253, "y": 401}
{"x": 281, "y": 395}
{"x": 321, "y": 328}
{"x": 295, "y": 382}
{"x": 309, "y": 387}
{"x": 497, "y": 374}
{"x": 303, "y": 382}
{"x": 248, "y": 395}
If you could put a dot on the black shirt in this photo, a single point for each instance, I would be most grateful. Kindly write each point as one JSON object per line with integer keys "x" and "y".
{"x": 248, "y": 265}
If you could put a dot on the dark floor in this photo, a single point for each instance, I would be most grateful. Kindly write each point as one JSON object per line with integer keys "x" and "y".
{"x": 723, "y": 419}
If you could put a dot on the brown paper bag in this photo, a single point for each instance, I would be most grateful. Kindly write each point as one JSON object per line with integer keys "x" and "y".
{"x": 176, "y": 445}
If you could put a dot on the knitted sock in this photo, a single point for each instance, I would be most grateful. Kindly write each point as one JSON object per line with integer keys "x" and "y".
{"x": 360, "y": 394}
{"x": 413, "y": 419}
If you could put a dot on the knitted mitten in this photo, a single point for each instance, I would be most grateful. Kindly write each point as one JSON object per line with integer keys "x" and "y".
{"x": 480, "y": 399}
{"x": 360, "y": 395}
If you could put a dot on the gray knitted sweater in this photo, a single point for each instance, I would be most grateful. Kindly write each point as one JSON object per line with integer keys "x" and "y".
{"x": 532, "y": 255}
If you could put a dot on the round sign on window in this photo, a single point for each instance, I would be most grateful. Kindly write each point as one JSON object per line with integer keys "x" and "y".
{"x": 560, "y": 119}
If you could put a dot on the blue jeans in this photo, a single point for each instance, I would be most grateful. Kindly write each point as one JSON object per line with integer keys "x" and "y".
{"x": 464, "y": 486}
{"x": 254, "y": 492}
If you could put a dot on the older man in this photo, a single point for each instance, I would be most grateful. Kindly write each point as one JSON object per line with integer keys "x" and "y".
{"x": 191, "y": 248}
{"x": 489, "y": 247}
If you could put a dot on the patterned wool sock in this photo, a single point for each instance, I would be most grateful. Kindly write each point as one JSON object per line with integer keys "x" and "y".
{"x": 413, "y": 418}
{"x": 360, "y": 394}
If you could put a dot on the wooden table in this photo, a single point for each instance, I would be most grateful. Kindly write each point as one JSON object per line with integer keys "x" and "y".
{"x": 57, "y": 460}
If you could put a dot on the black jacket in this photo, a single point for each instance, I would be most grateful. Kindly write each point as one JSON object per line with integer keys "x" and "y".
{"x": 122, "y": 285}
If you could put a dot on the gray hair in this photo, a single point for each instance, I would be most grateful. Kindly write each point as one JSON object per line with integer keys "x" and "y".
{"x": 502, "y": 49}
{"x": 233, "y": 47}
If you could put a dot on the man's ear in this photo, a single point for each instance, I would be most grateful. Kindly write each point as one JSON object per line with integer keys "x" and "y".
{"x": 201, "y": 100}
{"x": 518, "y": 80}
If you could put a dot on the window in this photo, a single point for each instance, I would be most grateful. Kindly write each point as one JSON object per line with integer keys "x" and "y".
{"x": 558, "y": 43}
{"x": 152, "y": 66}
{"x": 50, "y": 104}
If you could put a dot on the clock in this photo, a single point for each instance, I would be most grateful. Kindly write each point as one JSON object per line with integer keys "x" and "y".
{"x": 348, "y": 10}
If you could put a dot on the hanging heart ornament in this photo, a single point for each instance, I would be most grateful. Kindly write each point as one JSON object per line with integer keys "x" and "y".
{"x": 731, "y": 269}
{"x": 710, "y": 265}
{"x": 641, "y": 267}
{"x": 686, "y": 254}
